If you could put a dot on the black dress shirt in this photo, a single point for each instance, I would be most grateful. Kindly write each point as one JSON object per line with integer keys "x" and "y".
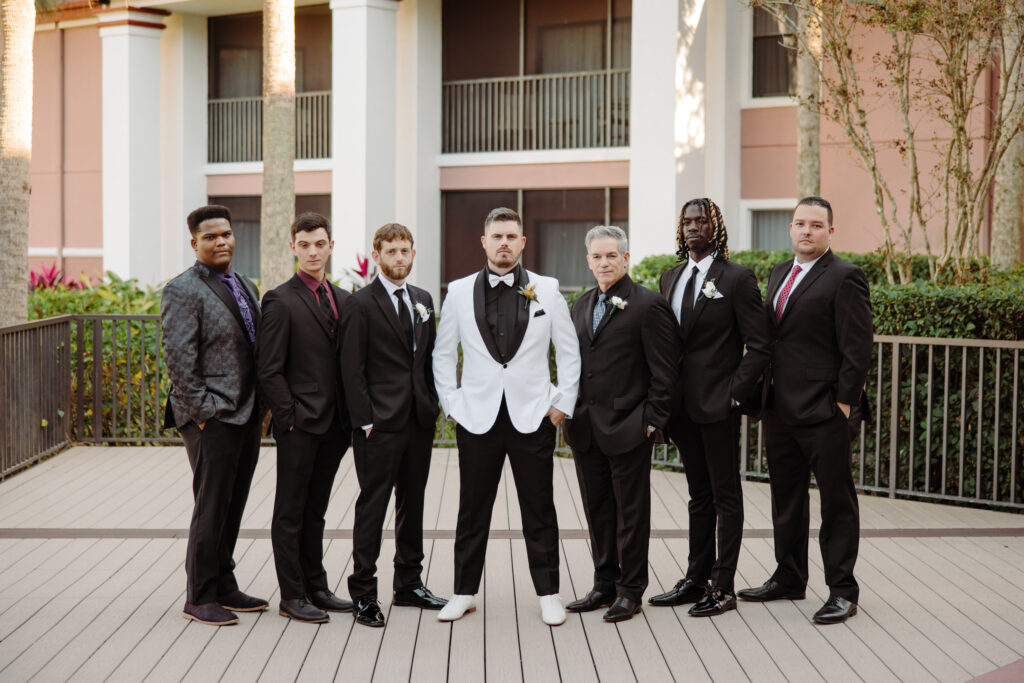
{"x": 500, "y": 304}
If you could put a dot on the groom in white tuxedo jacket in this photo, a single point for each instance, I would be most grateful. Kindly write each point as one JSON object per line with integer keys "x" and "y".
{"x": 506, "y": 319}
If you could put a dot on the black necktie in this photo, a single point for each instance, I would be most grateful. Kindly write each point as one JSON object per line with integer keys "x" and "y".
{"x": 404, "y": 317}
{"x": 325, "y": 306}
{"x": 687, "y": 303}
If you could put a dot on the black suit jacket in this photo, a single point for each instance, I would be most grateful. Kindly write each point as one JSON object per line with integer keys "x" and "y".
{"x": 713, "y": 333}
{"x": 297, "y": 360}
{"x": 822, "y": 344}
{"x": 629, "y": 366}
{"x": 385, "y": 383}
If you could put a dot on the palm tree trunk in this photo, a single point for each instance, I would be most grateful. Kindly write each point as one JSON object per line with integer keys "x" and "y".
{"x": 278, "y": 206}
{"x": 808, "y": 169}
{"x": 17, "y": 30}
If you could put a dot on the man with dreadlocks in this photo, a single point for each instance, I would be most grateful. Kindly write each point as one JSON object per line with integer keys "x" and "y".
{"x": 718, "y": 306}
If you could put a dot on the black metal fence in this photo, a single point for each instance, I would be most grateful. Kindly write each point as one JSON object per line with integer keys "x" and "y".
{"x": 945, "y": 421}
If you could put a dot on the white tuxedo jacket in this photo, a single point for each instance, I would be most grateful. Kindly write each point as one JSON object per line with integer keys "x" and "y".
{"x": 525, "y": 380}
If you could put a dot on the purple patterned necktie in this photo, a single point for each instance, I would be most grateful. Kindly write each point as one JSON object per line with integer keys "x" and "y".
{"x": 243, "y": 304}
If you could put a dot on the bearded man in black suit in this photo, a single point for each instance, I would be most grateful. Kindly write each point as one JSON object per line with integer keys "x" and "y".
{"x": 386, "y": 362}
{"x": 718, "y": 306}
{"x": 300, "y": 376}
{"x": 818, "y": 310}
{"x": 630, "y": 354}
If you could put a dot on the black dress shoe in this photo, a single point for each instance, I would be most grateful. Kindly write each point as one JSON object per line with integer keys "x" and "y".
{"x": 593, "y": 600}
{"x": 368, "y": 613}
{"x": 419, "y": 597}
{"x": 835, "y": 611}
{"x": 209, "y": 613}
{"x": 300, "y": 610}
{"x": 686, "y": 590}
{"x": 621, "y": 610}
{"x": 237, "y": 601}
{"x": 329, "y": 602}
{"x": 715, "y": 601}
{"x": 770, "y": 590}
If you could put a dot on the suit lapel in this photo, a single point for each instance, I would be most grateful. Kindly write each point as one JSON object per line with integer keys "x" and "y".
{"x": 585, "y": 319}
{"x": 690, "y": 317}
{"x": 610, "y": 311}
{"x": 671, "y": 280}
{"x": 387, "y": 308}
{"x": 306, "y": 297}
{"x": 418, "y": 328}
{"x": 817, "y": 271}
{"x": 774, "y": 283}
{"x": 480, "y": 313}
{"x": 221, "y": 290}
{"x": 522, "y": 315}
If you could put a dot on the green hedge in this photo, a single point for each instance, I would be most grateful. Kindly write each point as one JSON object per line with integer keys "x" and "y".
{"x": 992, "y": 308}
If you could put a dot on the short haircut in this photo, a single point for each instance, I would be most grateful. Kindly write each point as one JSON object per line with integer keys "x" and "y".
{"x": 503, "y": 214}
{"x": 390, "y": 232}
{"x": 818, "y": 201}
{"x": 310, "y": 222}
{"x": 205, "y": 213}
{"x": 719, "y": 235}
{"x": 608, "y": 231}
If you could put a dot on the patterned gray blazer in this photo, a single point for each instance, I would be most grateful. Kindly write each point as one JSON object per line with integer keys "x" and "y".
{"x": 209, "y": 358}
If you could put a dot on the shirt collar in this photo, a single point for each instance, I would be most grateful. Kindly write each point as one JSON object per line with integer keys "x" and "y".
{"x": 804, "y": 267}
{"x": 223, "y": 277}
{"x": 617, "y": 288}
{"x": 311, "y": 283}
{"x": 391, "y": 287}
{"x": 704, "y": 265}
{"x": 515, "y": 272}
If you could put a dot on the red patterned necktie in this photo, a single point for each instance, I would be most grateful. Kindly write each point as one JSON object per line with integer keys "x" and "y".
{"x": 781, "y": 304}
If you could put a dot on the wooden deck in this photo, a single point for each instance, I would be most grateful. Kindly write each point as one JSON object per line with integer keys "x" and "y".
{"x": 92, "y": 584}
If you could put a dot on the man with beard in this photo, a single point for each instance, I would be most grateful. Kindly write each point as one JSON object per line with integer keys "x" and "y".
{"x": 387, "y": 365}
{"x": 506, "y": 319}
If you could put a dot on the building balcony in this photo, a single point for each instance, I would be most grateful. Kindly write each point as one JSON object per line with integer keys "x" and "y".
{"x": 576, "y": 110}
{"x": 235, "y": 128}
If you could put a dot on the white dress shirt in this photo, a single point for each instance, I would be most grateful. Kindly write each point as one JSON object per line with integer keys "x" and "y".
{"x": 701, "y": 267}
{"x": 804, "y": 269}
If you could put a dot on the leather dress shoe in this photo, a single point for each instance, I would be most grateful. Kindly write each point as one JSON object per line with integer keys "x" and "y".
{"x": 621, "y": 610}
{"x": 593, "y": 600}
{"x": 329, "y": 602}
{"x": 418, "y": 597}
{"x": 367, "y": 613}
{"x": 835, "y": 611}
{"x": 770, "y": 590}
{"x": 300, "y": 610}
{"x": 715, "y": 601}
{"x": 209, "y": 613}
{"x": 686, "y": 590}
{"x": 237, "y": 601}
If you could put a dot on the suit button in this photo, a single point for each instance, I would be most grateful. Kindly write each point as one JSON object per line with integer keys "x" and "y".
{"x": 589, "y": 375}
{"x": 504, "y": 365}
{"x": 591, "y": 348}
{"x": 591, "y": 401}
{"x": 501, "y": 334}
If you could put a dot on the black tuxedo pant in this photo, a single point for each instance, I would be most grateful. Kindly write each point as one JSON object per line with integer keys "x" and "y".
{"x": 306, "y": 465}
{"x": 223, "y": 458}
{"x": 616, "y": 491}
{"x": 793, "y": 454}
{"x": 386, "y": 461}
{"x": 481, "y": 459}
{"x": 710, "y": 453}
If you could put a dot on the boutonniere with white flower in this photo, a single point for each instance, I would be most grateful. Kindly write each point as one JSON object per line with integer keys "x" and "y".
{"x": 709, "y": 291}
{"x": 617, "y": 303}
{"x": 529, "y": 293}
{"x": 423, "y": 311}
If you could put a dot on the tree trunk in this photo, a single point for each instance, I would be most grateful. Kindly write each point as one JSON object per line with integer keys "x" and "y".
{"x": 278, "y": 207}
{"x": 1006, "y": 204}
{"x": 808, "y": 166}
{"x": 17, "y": 30}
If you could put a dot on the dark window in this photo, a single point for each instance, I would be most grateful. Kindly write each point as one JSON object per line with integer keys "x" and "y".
{"x": 770, "y": 229}
{"x": 774, "y": 59}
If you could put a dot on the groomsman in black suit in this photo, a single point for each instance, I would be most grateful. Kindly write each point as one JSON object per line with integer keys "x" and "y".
{"x": 210, "y": 315}
{"x": 630, "y": 354}
{"x": 386, "y": 362}
{"x": 718, "y": 305}
{"x": 819, "y": 312}
{"x": 300, "y": 376}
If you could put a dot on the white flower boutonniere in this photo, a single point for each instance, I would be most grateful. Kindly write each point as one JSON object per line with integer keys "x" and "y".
{"x": 529, "y": 293}
{"x": 424, "y": 312}
{"x": 709, "y": 291}
{"x": 617, "y": 303}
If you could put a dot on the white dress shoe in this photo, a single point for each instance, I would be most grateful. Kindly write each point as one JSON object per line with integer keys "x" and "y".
{"x": 551, "y": 610}
{"x": 457, "y": 607}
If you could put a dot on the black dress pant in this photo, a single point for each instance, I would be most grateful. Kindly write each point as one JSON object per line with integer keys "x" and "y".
{"x": 793, "y": 453}
{"x": 616, "y": 491}
{"x": 306, "y": 465}
{"x": 386, "y": 461}
{"x": 710, "y": 453}
{"x": 223, "y": 458}
{"x": 481, "y": 458}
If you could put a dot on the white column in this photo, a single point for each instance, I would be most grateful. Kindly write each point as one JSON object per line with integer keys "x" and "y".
{"x": 669, "y": 118}
{"x": 418, "y": 136}
{"x": 131, "y": 144}
{"x": 362, "y": 123}
{"x": 183, "y": 96}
